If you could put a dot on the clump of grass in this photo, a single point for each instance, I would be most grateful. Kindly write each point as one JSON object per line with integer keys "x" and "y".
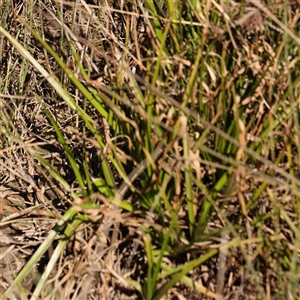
{"x": 163, "y": 140}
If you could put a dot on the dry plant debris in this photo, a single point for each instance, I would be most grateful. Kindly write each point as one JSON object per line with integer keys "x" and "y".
{"x": 194, "y": 119}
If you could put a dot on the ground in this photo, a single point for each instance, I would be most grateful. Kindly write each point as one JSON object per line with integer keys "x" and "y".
{"x": 158, "y": 157}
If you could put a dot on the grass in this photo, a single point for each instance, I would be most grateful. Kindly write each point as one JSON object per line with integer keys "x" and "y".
{"x": 153, "y": 149}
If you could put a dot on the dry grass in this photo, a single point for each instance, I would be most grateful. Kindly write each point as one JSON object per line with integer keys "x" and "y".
{"x": 198, "y": 130}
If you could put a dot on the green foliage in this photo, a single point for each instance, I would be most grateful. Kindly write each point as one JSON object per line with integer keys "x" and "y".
{"x": 198, "y": 156}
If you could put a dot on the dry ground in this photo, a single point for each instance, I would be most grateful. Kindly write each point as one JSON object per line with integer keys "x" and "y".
{"x": 91, "y": 266}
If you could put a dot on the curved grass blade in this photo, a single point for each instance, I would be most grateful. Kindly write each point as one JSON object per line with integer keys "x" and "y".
{"x": 55, "y": 256}
{"x": 187, "y": 268}
{"x": 40, "y": 252}
{"x": 50, "y": 78}
{"x": 67, "y": 151}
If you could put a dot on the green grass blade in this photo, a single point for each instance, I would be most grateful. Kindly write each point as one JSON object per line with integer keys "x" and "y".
{"x": 188, "y": 267}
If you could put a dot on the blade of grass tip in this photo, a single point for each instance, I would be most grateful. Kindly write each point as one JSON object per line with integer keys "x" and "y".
{"x": 138, "y": 170}
{"x": 204, "y": 217}
{"x": 207, "y": 203}
{"x": 55, "y": 256}
{"x": 167, "y": 197}
{"x": 102, "y": 187}
{"x": 48, "y": 289}
{"x": 103, "y": 93}
{"x": 122, "y": 204}
{"x": 67, "y": 151}
{"x": 157, "y": 26}
{"x": 50, "y": 169}
{"x": 108, "y": 174}
{"x": 158, "y": 263}
{"x": 96, "y": 100}
{"x": 263, "y": 186}
{"x": 189, "y": 282}
{"x": 168, "y": 272}
{"x": 87, "y": 174}
{"x": 136, "y": 90}
{"x": 188, "y": 267}
{"x": 149, "y": 255}
{"x": 256, "y": 195}
{"x": 192, "y": 78}
{"x": 39, "y": 252}
{"x": 135, "y": 284}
